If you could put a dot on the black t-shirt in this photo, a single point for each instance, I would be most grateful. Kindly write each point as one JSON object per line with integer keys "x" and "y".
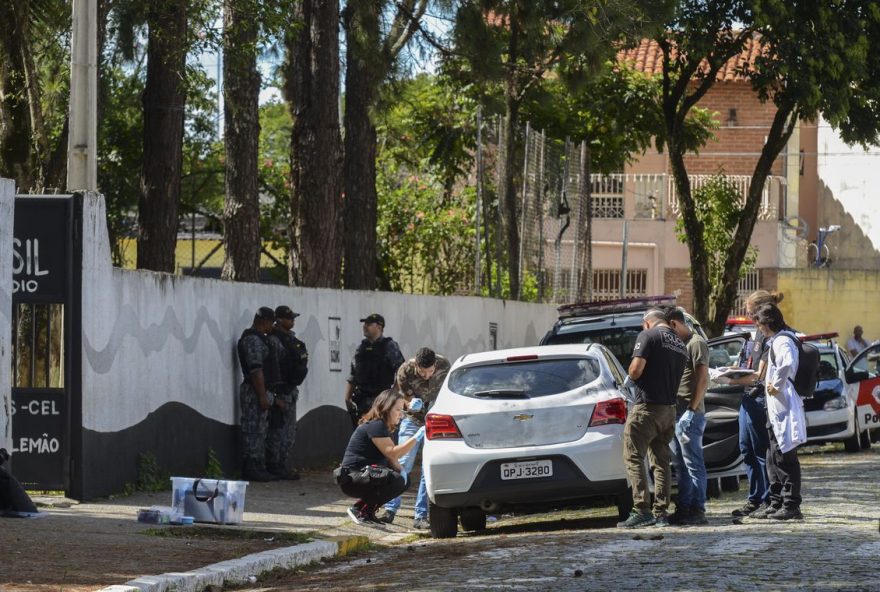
{"x": 665, "y": 356}
{"x": 361, "y": 451}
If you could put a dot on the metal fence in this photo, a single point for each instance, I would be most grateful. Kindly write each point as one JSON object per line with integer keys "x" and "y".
{"x": 552, "y": 211}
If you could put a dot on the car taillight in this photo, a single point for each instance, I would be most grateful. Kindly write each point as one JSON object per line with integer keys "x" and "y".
{"x": 608, "y": 412}
{"x": 438, "y": 427}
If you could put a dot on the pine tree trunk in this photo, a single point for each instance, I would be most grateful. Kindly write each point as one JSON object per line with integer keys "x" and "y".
{"x": 16, "y": 154}
{"x": 364, "y": 72}
{"x": 241, "y": 91}
{"x": 163, "y": 100}
{"x": 585, "y": 217}
{"x": 312, "y": 91}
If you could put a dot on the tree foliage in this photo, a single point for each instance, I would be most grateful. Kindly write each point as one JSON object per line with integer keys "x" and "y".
{"x": 815, "y": 58}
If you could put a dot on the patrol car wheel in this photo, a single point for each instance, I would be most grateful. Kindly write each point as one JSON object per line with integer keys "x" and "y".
{"x": 852, "y": 444}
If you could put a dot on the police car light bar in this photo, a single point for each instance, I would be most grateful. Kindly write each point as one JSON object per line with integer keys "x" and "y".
{"x": 819, "y": 336}
{"x": 624, "y": 305}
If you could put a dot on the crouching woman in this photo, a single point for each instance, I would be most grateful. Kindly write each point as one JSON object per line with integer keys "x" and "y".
{"x": 370, "y": 470}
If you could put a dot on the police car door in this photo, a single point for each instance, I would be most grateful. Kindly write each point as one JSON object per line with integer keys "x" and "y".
{"x": 864, "y": 371}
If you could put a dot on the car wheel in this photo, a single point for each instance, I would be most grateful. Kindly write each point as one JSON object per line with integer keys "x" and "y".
{"x": 865, "y": 439}
{"x": 472, "y": 519}
{"x": 624, "y": 501}
{"x": 852, "y": 444}
{"x": 444, "y": 522}
{"x": 713, "y": 488}
{"x": 730, "y": 483}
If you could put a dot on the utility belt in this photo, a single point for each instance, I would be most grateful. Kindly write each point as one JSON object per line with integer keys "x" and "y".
{"x": 369, "y": 475}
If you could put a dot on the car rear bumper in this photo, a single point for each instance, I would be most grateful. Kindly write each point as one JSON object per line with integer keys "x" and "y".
{"x": 567, "y": 483}
{"x": 462, "y": 475}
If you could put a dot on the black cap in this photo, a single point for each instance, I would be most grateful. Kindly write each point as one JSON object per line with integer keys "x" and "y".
{"x": 284, "y": 312}
{"x": 374, "y": 318}
{"x": 264, "y": 313}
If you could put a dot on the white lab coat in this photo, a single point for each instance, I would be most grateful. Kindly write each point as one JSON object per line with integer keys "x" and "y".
{"x": 785, "y": 409}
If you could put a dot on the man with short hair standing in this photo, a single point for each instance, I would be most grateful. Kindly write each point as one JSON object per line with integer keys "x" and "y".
{"x": 658, "y": 362}
{"x": 857, "y": 343}
{"x": 373, "y": 368}
{"x": 294, "y": 365}
{"x": 690, "y": 414}
{"x": 419, "y": 380}
{"x": 259, "y": 364}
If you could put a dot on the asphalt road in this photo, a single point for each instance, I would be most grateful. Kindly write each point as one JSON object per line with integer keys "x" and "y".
{"x": 836, "y": 547}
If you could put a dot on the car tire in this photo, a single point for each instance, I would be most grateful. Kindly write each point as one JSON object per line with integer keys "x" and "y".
{"x": 853, "y": 443}
{"x": 444, "y": 521}
{"x": 713, "y": 488}
{"x": 730, "y": 483}
{"x": 624, "y": 501}
{"x": 865, "y": 439}
{"x": 472, "y": 519}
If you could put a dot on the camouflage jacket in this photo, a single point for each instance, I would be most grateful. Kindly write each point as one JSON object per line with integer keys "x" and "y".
{"x": 411, "y": 385}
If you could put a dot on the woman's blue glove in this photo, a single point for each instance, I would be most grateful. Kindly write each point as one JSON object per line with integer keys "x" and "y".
{"x": 404, "y": 474}
{"x": 420, "y": 434}
{"x": 416, "y": 405}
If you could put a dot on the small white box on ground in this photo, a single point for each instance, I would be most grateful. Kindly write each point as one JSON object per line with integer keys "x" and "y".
{"x": 216, "y": 501}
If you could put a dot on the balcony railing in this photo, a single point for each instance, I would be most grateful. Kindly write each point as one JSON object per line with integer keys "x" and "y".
{"x": 655, "y": 197}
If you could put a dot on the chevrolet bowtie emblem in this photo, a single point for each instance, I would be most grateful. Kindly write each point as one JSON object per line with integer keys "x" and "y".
{"x": 523, "y": 417}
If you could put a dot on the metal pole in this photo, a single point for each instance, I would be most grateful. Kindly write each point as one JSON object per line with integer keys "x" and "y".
{"x": 623, "y": 281}
{"x": 82, "y": 142}
{"x": 524, "y": 209}
{"x": 477, "y": 273}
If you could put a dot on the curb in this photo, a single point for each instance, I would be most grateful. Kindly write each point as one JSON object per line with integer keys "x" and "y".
{"x": 239, "y": 571}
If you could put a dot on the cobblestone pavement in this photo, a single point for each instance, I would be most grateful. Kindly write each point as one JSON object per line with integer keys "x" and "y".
{"x": 836, "y": 547}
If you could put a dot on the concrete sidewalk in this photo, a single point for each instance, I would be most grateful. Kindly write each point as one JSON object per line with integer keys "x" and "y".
{"x": 95, "y": 545}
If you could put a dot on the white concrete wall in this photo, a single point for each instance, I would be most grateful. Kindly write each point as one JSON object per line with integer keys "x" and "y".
{"x": 852, "y": 174}
{"x": 7, "y": 209}
{"x": 151, "y": 338}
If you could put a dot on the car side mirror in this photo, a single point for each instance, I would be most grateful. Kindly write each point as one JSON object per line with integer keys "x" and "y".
{"x": 856, "y": 376}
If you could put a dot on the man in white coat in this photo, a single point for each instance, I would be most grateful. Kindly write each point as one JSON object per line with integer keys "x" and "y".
{"x": 785, "y": 415}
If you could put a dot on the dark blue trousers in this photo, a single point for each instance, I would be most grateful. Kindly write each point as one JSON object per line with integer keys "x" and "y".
{"x": 753, "y": 444}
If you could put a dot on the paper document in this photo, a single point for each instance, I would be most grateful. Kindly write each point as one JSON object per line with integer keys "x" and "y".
{"x": 726, "y": 372}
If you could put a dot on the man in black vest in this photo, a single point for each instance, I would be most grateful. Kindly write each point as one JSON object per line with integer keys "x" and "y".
{"x": 294, "y": 364}
{"x": 373, "y": 368}
{"x": 259, "y": 365}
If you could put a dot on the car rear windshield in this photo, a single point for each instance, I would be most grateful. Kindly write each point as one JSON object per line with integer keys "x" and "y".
{"x": 620, "y": 340}
{"x": 531, "y": 379}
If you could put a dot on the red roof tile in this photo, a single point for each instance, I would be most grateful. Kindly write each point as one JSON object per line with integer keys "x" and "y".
{"x": 648, "y": 57}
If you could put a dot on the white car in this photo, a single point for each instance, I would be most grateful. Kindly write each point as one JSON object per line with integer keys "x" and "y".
{"x": 529, "y": 426}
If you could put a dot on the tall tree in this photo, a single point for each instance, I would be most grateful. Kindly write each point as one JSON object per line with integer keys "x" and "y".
{"x": 813, "y": 57}
{"x": 370, "y": 56}
{"x": 514, "y": 44}
{"x": 241, "y": 92}
{"x": 33, "y": 136}
{"x": 311, "y": 88}
{"x": 163, "y": 101}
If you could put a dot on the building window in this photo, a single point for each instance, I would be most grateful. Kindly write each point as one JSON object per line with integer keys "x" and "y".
{"x": 607, "y": 196}
{"x": 747, "y": 284}
{"x": 606, "y": 283}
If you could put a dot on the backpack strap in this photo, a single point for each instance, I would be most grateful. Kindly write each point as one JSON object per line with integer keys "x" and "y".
{"x": 797, "y": 344}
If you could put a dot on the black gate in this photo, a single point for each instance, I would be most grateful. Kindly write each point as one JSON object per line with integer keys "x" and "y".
{"x": 42, "y": 316}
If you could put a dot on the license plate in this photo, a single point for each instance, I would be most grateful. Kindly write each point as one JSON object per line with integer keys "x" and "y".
{"x": 527, "y": 470}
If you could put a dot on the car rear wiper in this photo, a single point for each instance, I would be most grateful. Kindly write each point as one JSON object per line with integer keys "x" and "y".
{"x": 501, "y": 394}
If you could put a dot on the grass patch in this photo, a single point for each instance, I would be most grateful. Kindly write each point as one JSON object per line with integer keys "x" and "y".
{"x": 216, "y": 533}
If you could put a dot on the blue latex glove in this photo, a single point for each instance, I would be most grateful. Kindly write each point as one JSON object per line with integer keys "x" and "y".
{"x": 416, "y": 405}
{"x": 420, "y": 434}
{"x": 628, "y": 382}
{"x": 404, "y": 474}
{"x": 684, "y": 424}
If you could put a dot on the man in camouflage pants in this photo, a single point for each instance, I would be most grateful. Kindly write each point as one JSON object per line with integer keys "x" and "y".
{"x": 419, "y": 380}
{"x": 259, "y": 364}
{"x": 293, "y": 361}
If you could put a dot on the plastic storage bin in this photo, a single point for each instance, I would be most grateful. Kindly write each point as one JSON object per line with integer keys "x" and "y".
{"x": 214, "y": 501}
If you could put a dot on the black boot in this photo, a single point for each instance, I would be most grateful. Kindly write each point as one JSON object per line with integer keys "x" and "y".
{"x": 255, "y": 471}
